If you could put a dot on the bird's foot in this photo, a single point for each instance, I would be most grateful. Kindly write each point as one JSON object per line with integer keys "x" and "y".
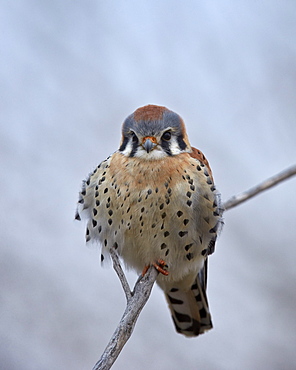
{"x": 159, "y": 265}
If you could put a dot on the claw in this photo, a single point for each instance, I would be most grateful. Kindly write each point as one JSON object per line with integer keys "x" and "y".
{"x": 145, "y": 269}
{"x": 159, "y": 265}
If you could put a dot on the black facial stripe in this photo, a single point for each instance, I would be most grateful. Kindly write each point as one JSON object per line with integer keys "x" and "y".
{"x": 166, "y": 147}
{"x": 135, "y": 147}
{"x": 124, "y": 144}
{"x": 181, "y": 142}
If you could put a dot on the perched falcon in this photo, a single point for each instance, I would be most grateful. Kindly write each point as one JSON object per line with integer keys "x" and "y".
{"x": 155, "y": 202}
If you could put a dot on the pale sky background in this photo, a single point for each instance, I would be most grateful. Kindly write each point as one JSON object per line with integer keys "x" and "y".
{"x": 71, "y": 72}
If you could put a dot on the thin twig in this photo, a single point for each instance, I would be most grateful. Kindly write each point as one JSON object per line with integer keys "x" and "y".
{"x": 118, "y": 269}
{"x": 135, "y": 303}
{"x": 272, "y": 181}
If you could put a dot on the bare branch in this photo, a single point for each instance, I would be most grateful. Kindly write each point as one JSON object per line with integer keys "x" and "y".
{"x": 118, "y": 269}
{"x": 272, "y": 181}
{"x": 137, "y": 299}
{"x": 135, "y": 303}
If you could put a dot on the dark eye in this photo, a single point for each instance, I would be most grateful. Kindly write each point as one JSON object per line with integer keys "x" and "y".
{"x": 166, "y": 136}
{"x": 134, "y": 137}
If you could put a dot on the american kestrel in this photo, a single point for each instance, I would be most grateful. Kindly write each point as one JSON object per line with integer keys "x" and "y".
{"x": 155, "y": 202}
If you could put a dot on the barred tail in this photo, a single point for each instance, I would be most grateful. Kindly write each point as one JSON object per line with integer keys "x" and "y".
{"x": 190, "y": 310}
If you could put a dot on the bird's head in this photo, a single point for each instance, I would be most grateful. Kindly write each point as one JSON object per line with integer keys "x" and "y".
{"x": 153, "y": 132}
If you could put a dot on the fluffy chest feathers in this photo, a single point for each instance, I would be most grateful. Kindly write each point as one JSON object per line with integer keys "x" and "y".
{"x": 150, "y": 210}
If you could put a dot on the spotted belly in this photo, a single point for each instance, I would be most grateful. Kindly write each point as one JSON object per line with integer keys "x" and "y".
{"x": 155, "y": 216}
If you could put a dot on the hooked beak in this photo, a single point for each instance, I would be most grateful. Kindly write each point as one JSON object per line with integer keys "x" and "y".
{"x": 149, "y": 142}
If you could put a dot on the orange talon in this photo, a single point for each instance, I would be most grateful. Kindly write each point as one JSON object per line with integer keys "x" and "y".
{"x": 159, "y": 267}
{"x": 145, "y": 269}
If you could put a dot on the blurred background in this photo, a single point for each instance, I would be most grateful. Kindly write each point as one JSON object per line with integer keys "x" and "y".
{"x": 71, "y": 72}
